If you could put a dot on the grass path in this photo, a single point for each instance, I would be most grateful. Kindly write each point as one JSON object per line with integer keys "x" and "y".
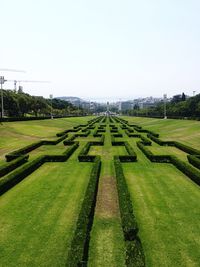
{"x": 106, "y": 245}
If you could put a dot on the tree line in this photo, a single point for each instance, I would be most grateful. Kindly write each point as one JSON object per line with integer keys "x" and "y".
{"x": 20, "y": 104}
{"x": 179, "y": 106}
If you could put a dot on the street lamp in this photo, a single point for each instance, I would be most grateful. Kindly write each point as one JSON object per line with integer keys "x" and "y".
{"x": 51, "y": 96}
{"x": 165, "y": 110}
{"x": 2, "y": 81}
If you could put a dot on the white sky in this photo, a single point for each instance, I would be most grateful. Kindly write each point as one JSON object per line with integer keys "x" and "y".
{"x": 102, "y": 49}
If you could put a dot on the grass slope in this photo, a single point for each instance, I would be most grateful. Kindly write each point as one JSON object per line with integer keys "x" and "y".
{"x": 37, "y": 217}
{"x": 186, "y": 131}
{"x": 14, "y": 135}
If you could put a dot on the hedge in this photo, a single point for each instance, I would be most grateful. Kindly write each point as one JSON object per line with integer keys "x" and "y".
{"x": 179, "y": 145}
{"x": 132, "y": 156}
{"x": 151, "y": 156}
{"x": 83, "y": 155}
{"x": 78, "y": 254}
{"x": 190, "y": 171}
{"x": 68, "y": 131}
{"x": 19, "y": 174}
{"x": 8, "y": 167}
{"x": 184, "y": 167}
{"x": 70, "y": 140}
{"x": 15, "y": 154}
{"x": 134, "y": 251}
{"x": 194, "y": 160}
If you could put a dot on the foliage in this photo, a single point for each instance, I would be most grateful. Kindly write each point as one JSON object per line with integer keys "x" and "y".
{"x": 19, "y": 104}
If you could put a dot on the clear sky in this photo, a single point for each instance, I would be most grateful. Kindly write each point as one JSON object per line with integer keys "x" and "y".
{"x": 102, "y": 49}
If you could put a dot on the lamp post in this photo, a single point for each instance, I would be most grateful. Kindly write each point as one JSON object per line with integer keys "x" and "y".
{"x": 2, "y": 81}
{"x": 165, "y": 110}
{"x": 51, "y": 96}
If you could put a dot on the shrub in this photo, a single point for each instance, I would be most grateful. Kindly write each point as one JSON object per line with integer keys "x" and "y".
{"x": 190, "y": 171}
{"x": 8, "y": 167}
{"x": 129, "y": 224}
{"x": 19, "y": 174}
{"x": 194, "y": 160}
{"x": 15, "y": 154}
{"x": 78, "y": 253}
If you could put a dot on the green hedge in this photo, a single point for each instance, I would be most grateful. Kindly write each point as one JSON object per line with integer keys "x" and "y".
{"x": 178, "y": 145}
{"x": 15, "y": 154}
{"x": 184, "y": 167}
{"x": 188, "y": 170}
{"x": 70, "y": 140}
{"x": 151, "y": 156}
{"x": 19, "y": 174}
{"x": 10, "y": 166}
{"x": 134, "y": 251}
{"x": 78, "y": 254}
{"x": 194, "y": 160}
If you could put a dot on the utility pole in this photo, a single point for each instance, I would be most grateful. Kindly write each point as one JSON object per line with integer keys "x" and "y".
{"x": 165, "y": 110}
{"x": 51, "y": 96}
{"x": 194, "y": 93}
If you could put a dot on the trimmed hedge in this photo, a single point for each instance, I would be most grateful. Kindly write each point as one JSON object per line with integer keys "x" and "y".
{"x": 19, "y": 174}
{"x": 70, "y": 140}
{"x": 129, "y": 224}
{"x": 151, "y": 156}
{"x": 134, "y": 251}
{"x": 194, "y": 160}
{"x": 83, "y": 155}
{"x": 132, "y": 156}
{"x": 184, "y": 167}
{"x": 188, "y": 170}
{"x": 78, "y": 254}
{"x": 68, "y": 131}
{"x": 8, "y": 167}
{"x": 15, "y": 154}
{"x": 179, "y": 145}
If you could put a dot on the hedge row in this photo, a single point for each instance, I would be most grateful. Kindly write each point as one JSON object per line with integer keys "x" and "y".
{"x": 139, "y": 129}
{"x": 151, "y": 156}
{"x": 8, "y": 167}
{"x": 134, "y": 251}
{"x": 194, "y": 160}
{"x": 19, "y": 174}
{"x": 68, "y": 131}
{"x": 187, "y": 169}
{"x": 132, "y": 156}
{"x": 116, "y": 143}
{"x": 184, "y": 167}
{"x": 15, "y": 154}
{"x": 78, "y": 254}
{"x": 69, "y": 141}
{"x": 83, "y": 155}
{"x": 179, "y": 145}
{"x": 132, "y": 134}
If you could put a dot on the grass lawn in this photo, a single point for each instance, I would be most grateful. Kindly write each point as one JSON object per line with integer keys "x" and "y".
{"x": 185, "y": 131}
{"x": 15, "y": 135}
{"x": 38, "y": 216}
{"x": 166, "y": 205}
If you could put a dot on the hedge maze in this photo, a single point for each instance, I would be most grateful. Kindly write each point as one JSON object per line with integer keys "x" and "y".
{"x": 96, "y": 143}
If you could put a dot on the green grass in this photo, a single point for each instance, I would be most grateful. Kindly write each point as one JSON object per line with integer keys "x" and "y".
{"x": 166, "y": 205}
{"x": 185, "y": 131}
{"x": 38, "y": 216}
{"x": 15, "y": 135}
{"x": 107, "y": 244}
